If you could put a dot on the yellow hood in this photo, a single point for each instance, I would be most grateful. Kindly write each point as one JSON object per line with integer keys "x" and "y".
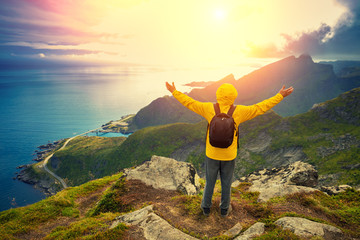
{"x": 226, "y": 94}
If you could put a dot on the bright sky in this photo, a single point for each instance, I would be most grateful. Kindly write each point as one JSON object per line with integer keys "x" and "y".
{"x": 172, "y": 32}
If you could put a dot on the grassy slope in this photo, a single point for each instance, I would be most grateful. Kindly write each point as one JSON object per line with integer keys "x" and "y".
{"x": 93, "y": 157}
{"x": 62, "y": 208}
{"x": 310, "y": 131}
{"x": 159, "y": 140}
{"x": 86, "y": 158}
{"x": 87, "y": 211}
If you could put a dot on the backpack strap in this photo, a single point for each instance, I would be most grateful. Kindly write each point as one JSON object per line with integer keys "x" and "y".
{"x": 217, "y": 108}
{"x": 231, "y": 110}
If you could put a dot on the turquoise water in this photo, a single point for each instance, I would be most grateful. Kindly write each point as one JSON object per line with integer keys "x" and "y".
{"x": 38, "y": 106}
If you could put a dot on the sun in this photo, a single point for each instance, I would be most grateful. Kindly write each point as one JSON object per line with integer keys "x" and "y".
{"x": 220, "y": 14}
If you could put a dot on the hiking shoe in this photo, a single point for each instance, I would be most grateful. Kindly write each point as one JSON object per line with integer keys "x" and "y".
{"x": 225, "y": 212}
{"x": 206, "y": 211}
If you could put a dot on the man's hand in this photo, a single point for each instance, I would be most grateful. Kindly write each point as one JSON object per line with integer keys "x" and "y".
{"x": 171, "y": 88}
{"x": 286, "y": 92}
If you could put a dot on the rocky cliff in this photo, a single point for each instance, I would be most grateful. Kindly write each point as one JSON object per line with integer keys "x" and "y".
{"x": 160, "y": 199}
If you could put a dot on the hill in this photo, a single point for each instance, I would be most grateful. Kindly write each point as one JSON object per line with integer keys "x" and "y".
{"x": 88, "y": 158}
{"x": 162, "y": 111}
{"x": 327, "y": 136}
{"x": 120, "y": 207}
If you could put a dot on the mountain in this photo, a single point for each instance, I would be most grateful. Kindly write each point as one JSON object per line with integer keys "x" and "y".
{"x": 161, "y": 111}
{"x": 327, "y": 136}
{"x": 340, "y": 65}
{"x": 313, "y": 82}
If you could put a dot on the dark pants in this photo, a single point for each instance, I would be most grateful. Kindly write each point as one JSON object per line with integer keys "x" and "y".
{"x": 226, "y": 170}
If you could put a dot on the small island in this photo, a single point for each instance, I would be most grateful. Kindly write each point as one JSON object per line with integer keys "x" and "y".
{"x": 200, "y": 84}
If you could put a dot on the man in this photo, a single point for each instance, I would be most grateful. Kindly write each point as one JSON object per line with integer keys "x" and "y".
{"x": 222, "y": 160}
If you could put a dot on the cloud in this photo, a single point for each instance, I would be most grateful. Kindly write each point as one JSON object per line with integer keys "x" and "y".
{"x": 52, "y": 24}
{"x": 340, "y": 40}
{"x": 308, "y": 42}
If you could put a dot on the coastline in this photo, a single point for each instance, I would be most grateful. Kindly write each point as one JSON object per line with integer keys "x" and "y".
{"x": 37, "y": 175}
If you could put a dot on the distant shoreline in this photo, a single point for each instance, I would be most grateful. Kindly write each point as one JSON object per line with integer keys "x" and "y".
{"x": 47, "y": 184}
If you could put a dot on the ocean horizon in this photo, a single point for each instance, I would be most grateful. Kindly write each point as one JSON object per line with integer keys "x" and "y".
{"x": 39, "y": 106}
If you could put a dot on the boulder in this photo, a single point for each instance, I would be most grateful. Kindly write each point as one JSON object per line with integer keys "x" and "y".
{"x": 334, "y": 190}
{"x": 152, "y": 225}
{"x": 167, "y": 173}
{"x": 306, "y": 228}
{"x": 234, "y": 231}
{"x": 296, "y": 177}
{"x": 302, "y": 174}
{"x": 255, "y": 230}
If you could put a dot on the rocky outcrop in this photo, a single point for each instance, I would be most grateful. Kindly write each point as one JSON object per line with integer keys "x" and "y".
{"x": 234, "y": 231}
{"x": 296, "y": 177}
{"x": 151, "y": 225}
{"x": 252, "y": 232}
{"x": 166, "y": 173}
{"x": 334, "y": 190}
{"x": 306, "y": 228}
{"x": 49, "y": 186}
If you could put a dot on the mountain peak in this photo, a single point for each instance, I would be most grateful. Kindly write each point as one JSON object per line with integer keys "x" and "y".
{"x": 305, "y": 58}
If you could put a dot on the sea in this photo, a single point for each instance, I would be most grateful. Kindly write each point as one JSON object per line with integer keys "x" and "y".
{"x": 39, "y": 106}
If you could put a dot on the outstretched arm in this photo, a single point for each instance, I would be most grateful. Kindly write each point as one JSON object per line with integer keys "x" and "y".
{"x": 285, "y": 92}
{"x": 249, "y": 112}
{"x": 193, "y": 105}
{"x": 171, "y": 88}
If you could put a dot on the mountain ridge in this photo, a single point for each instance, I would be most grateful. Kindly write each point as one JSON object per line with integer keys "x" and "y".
{"x": 313, "y": 82}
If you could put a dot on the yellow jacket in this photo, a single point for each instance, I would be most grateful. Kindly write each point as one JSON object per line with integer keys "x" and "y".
{"x": 225, "y": 96}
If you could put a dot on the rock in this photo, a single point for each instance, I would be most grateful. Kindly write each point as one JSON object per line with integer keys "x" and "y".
{"x": 296, "y": 177}
{"x": 303, "y": 174}
{"x": 167, "y": 173}
{"x": 334, "y": 190}
{"x": 236, "y": 183}
{"x": 153, "y": 226}
{"x": 252, "y": 232}
{"x": 306, "y": 228}
{"x": 234, "y": 231}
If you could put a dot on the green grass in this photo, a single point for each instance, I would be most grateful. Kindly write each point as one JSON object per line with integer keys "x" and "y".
{"x": 310, "y": 133}
{"x": 87, "y": 158}
{"x": 342, "y": 211}
{"x": 111, "y": 200}
{"x": 22, "y": 220}
{"x": 89, "y": 228}
{"x": 278, "y": 233}
{"x": 159, "y": 140}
